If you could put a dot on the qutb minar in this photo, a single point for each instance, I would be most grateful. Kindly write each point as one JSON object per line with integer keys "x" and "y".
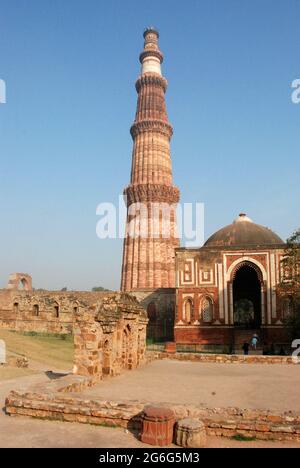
{"x": 148, "y": 261}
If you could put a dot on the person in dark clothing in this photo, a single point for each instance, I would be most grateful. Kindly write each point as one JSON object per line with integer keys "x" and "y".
{"x": 282, "y": 352}
{"x": 246, "y": 348}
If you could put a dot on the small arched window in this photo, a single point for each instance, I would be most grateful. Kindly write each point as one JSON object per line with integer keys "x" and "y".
{"x": 16, "y": 307}
{"x": 36, "y": 310}
{"x": 207, "y": 310}
{"x": 23, "y": 284}
{"x": 56, "y": 310}
{"x": 188, "y": 311}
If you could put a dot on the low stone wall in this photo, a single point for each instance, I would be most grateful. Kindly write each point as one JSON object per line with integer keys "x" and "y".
{"x": 225, "y": 358}
{"x": 51, "y": 402}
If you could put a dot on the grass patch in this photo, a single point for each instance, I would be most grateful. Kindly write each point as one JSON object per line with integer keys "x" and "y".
{"x": 58, "y": 336}
{"x": 48, "y": 349}
{"x": 243, "y": 438}
{"x": 107, "y": 424}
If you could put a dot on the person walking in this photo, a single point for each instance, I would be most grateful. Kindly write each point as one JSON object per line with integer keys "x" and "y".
{"x": 254, "y": 341}
{"x": 246, "y": 349}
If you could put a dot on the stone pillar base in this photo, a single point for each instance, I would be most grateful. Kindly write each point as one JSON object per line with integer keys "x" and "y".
{"x": 157, "y": 426}
{"x": 190, "y": 433}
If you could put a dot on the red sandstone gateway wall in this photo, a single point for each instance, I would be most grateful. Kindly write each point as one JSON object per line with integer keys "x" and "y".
{"x": 206, "y": 273}
{"x": 217, "y": 336}
{"x": 276, "y": 335}
{"x": 201, "y": 335}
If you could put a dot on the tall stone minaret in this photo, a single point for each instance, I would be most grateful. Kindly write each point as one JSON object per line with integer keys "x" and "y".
{"x": 148, "y": 261}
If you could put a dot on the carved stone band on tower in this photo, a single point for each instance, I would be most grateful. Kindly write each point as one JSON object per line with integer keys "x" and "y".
{"x": 148, "y": 262}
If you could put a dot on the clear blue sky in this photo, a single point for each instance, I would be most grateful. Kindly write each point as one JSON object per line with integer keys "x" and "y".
{"x": 70, "y": 68}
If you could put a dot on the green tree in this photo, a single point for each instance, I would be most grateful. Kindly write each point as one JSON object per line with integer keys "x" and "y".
{"x": 99, "y": 289}
{"x": 290, "y": 285}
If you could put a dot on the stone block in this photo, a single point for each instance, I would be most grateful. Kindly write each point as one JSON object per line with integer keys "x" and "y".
{"x": 190, "y": 433}
{"x": 262, "y": 427}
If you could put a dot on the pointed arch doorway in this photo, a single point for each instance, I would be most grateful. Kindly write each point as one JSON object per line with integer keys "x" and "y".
{"x": 247, "y": 296}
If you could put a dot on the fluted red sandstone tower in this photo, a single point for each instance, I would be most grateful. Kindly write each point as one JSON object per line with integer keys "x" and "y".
{"x": 148, "y": 261}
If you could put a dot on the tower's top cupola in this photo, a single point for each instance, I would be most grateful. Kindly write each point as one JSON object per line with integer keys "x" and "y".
{"x": 151, "y": 58}
{"x": 151, "y": 30}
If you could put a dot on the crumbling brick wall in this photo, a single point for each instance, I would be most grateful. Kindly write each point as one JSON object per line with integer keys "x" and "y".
{"x": 109, "y": 327}
{"x": 44, "y": 311}
{"x": 38, "y": 311}
{"x": 109, "y": 336}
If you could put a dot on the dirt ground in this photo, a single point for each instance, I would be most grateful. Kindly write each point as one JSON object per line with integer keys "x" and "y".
{"x": 255, "y": 386}
{"x": 9, "y": 372}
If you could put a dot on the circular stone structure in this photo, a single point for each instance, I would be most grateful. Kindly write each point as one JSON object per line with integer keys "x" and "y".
{"x": 243, "y": 232}
{"x": 157, "y": 426}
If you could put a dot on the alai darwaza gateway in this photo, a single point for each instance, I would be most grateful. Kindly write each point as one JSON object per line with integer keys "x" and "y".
{"x": 227, "y": 290}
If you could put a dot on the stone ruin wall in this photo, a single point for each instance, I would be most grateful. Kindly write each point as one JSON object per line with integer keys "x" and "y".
{"x": 27, "y": 310}
{"x": 40, "y": 311}
{"x": 109, "y": 336}
{"x": 36, "y": 311}
{"x": 109, "y": 328}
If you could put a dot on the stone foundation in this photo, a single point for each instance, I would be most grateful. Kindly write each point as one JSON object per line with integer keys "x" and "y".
{"x": 224, "y": 358}
{"x": 52, "y": 401}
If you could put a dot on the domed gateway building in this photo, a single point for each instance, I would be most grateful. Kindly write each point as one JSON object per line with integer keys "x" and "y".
{"x": 227, "y": 290}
